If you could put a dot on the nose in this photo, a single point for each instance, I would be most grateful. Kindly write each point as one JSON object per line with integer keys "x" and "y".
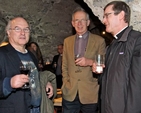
{"x": 22, "y": 31}
{"x": 80, "y": 22}
{"x": 103, "y": 21}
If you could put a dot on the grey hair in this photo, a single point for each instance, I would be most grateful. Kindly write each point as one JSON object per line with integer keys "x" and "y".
{"x": 8, "y": 25}
{"x": 80, "y": 9}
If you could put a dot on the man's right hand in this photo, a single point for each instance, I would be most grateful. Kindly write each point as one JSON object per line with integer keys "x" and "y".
{"x": 18, "y": 81}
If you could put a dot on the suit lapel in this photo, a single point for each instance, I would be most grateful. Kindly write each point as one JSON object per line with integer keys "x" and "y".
{"x": 72, "y": 44}
{"x": 13, "y": 57}
{"x": 90, "y": 45}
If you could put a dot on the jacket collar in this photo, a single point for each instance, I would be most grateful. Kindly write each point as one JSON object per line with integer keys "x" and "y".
{"x": 125, "y": 34}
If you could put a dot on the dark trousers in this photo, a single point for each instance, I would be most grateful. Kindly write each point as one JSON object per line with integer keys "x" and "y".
{"x": 77, "y": 107}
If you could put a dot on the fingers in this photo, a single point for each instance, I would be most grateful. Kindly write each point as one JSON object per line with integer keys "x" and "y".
{"x": 49, "y": 90}
{"x": 18, "y": 81}
{"x": 80, "y": 61}
{"x": 94, "y": 67}
{"x": 50, "y": 93}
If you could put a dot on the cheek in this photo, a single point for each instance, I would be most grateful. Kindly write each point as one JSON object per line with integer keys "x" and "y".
{"x": 27, "y": 36}
{"x": 73, "y": 24}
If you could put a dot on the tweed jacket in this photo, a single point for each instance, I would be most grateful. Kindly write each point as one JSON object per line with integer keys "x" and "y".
{"x": 82, "y": 83}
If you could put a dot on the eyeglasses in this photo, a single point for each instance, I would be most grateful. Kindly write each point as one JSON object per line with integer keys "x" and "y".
{"x": 77, "y": 21}
{"x": 18, "y": 29}
{"x": 107, "y": 14}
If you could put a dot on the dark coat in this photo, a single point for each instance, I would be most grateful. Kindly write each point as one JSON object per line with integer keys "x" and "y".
{"x": 55, "y": 60}
{"x": 18, "y": 101}
{"x": 121, "y": 79}
{"x": 46, "y": 103}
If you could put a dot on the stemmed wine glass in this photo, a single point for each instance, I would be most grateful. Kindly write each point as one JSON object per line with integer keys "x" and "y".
{"x": 25, "y": 69}
{"x": 76, "y": 57}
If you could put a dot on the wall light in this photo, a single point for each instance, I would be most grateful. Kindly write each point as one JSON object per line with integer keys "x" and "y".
{"x": 3, "y": 44}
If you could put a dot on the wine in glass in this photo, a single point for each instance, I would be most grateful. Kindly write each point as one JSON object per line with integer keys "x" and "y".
{"x": 25, "y": 69}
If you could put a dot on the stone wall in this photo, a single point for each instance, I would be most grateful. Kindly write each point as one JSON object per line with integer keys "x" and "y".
{"x": 135, "y": 5}
{"x": 50, "y": 21}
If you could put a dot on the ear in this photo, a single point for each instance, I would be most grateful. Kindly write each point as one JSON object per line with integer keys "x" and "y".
{"x": 72, "y": 22}
{"x": 88, "y": 22}
{"x": 8, "y": 33}
{"x": 122, "y": 15}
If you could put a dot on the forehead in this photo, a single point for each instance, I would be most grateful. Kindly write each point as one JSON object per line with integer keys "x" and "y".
{"x": 60, "y": 46}
{"x": 79, "y": 14}
{"x": 19, "y": 22}
{"x": 33, "y": 44}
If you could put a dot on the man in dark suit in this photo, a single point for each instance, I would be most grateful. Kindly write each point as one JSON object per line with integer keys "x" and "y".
{"x": 14, "y": 99}
{"x": 57, "y": 65}
{"x": 121, "y": 78}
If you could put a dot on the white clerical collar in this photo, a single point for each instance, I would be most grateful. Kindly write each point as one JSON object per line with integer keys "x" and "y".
{"x": 80, "y": 36}
{"x": 84, "y": 36}
{"x": 119, "y": 32}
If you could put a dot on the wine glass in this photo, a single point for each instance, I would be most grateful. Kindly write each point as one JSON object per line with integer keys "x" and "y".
{"x": 76, "y": 57}
{"x": 25, "y": 69}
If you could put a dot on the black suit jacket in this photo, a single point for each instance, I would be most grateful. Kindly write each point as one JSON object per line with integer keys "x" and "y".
{"x": 55, "y": 59}
{"x": 18, "y": 101}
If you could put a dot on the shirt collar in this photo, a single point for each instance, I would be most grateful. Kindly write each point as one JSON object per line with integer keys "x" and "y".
{"x": 84, "y": 36}
{"x": 22, "y": 52}
{"x": 116, "y": 36}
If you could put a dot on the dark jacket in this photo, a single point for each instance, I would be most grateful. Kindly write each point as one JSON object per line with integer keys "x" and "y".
{"x": 18, "y": 101}
{"x": 121, "y": 79}
{"x": 55, "y": 60}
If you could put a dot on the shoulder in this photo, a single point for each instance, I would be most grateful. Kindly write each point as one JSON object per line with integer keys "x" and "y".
{"x": 94, "y": 36}
{"x": 134, "y": 36}
{"x": 6, "y": 49}
{"x": 135, "y": 33}
{"x": 56, "y": 56}
{"x": 70, "y": 38}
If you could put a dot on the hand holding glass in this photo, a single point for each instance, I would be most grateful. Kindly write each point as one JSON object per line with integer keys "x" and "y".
{"x": 76, "y": 57}
{"x": 25, "y": 69}
{"x": 99, "y": 60}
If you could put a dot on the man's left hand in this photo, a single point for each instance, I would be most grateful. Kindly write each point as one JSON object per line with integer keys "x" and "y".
{"x": 49, "y": 90}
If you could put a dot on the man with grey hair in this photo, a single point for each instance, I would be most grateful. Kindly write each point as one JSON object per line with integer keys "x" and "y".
{"x": 80, "y": 88}
{"x": 13, "y": 97}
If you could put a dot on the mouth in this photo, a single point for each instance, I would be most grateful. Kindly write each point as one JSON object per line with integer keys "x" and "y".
{"x": 80, "y": 27}
{"x": 22, "y": 37}
{"x": 106, "y": 26}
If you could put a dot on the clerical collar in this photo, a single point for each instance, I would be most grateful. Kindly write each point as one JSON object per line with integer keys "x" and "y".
{"x": 84, "y": 36}
{"x": 22, "y": 52}
{"x": 117, "y": 36}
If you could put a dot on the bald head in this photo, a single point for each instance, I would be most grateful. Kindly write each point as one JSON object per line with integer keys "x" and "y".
{"x": 14, "y": 21}
{"x": 18, "y": 32}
